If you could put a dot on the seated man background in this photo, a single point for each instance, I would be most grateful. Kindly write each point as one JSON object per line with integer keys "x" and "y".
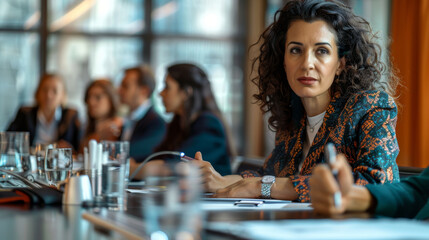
{"x": 143, "y": 127}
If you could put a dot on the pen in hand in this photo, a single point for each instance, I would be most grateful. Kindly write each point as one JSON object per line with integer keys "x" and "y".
{"x": 186, "y": 158}
{"x": 198, "y": 157}
{"x": 331, "y": 156}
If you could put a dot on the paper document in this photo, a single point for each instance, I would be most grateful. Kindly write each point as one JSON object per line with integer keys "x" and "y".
{"x": 326, "y": 229}
{"x": 259, "y": 205}
{"x": 250, "y": 199}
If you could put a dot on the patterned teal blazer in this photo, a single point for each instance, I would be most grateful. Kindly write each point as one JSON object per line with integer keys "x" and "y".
{"x": 361, "y": 127}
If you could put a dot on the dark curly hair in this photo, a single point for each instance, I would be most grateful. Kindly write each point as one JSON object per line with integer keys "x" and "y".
{"x": 363, "y": 68}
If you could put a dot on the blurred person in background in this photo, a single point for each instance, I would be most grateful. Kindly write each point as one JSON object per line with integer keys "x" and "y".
{"x": 143, "y": 127}
{"x": 197, "y": 124}
{"x": 49, "y": 121}
{"x": 102, "y": 104}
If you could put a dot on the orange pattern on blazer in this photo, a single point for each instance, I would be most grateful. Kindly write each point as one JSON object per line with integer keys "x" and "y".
{"x": 361, "y": 127}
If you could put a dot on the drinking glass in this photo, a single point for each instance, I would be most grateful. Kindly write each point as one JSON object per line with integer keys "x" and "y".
{"x": 171, "y": 205}
{"x": 40, "y": 154}
{"x": 115, "y": 171}
{"x": 58, "y": 165}
{"x": 14, "y": 151}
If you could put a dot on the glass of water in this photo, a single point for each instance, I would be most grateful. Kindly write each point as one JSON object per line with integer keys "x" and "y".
{"x": 171, "y": 204}
{"x": 15, "y": 151}
{"x": 115, "y": 171}
{"x": 58, "y": 165}
{"x": 40, "y": 154}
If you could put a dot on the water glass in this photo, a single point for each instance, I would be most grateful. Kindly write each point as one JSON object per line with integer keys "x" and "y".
{"x": 40, "y": 154}
{"x": 58, "y": 165}
{"x": 15, "y": 151}
{"x": 115, "y": 171}
{"x": 171, "y": 204}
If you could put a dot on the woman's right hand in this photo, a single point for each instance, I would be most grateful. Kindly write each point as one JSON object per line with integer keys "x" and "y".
{"x": 211, "y": 179}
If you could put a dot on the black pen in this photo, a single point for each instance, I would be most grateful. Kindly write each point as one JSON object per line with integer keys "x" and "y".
{"x": 331, "y": 157}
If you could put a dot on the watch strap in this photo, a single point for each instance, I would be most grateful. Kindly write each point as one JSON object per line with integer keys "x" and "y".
{"x": 266, "y": 190}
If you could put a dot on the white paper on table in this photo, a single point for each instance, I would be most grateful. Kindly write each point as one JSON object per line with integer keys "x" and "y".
{"x": 249, "y": 199}
{"x": 210, "y": 206}
{"x": 326, "y": 229}
{"x": 130, "y": 190}
{"x": 275, "y": 205}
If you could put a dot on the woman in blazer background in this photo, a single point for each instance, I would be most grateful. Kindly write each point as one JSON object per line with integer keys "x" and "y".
{"x": 49, "y": 121}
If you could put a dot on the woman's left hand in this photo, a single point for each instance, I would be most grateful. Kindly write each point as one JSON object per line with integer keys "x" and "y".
{"x": 245, "y": 188}
{"x": 211, "y": 179}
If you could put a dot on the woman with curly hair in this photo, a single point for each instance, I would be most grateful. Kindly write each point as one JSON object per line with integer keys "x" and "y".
{"x": 320, "y": 77}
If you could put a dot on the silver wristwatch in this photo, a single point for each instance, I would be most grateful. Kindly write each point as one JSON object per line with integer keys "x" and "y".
{"x": 267, "y": 183}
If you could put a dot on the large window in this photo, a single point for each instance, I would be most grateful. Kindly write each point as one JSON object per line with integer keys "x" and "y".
{"x": 87, "y": 39}
{"x": 19, "y": 56}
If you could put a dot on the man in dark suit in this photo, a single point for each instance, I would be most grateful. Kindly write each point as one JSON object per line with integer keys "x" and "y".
{"x": 143, "y": 128}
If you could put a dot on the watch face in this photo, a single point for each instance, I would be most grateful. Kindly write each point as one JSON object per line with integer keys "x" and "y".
{"x": 268, "y": 179}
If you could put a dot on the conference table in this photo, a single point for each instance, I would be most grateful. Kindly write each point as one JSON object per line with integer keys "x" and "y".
{"x": 20, "y": 221}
